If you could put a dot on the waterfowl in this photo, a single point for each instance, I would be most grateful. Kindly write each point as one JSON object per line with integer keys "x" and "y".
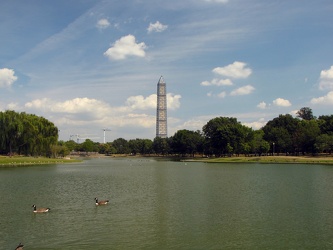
{"x": 98, "y": 203}
{"x": 40, "y": 210}
{"x": 19, "y": 247}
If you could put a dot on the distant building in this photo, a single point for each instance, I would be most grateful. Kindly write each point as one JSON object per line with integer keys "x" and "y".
{"x": 161, "y": 112}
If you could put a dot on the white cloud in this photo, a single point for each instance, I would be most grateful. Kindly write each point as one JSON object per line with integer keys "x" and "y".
{"x": 222, "y": 94}
{"x": 139, "y": 102}
{"x": 156, "y": 27}
{"x": 13, "y": 106}
{"x": 74, "y": 106}
{"x": 87, "y": 111}
{"x": 196, "y": 123}
{"x": 248, "y": 89}
{"x": 103, "y": 23}
{"x": 256, "y": 124}
{"x": 173, "y": 101}
{"x": 124, "y": 47}
{"x": 38, "y": 103}
{"x": 325, "y": 100}
{"x": 235, "y": 70}
{"x": 7, "y": 77}
{"x": 327, "y": 74}
{"x": 293, "y": 112}
{"x": 262, "y": 105}
{"x": 326, "y": 79}
{"x": 281, "y": 102}
{"x": 217, "y": 82}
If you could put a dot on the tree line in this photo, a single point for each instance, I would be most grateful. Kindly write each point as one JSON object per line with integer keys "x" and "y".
{"x": 225, "y": 136}
{"x": 220, "y": 136}
{"x": 26, "y": 134}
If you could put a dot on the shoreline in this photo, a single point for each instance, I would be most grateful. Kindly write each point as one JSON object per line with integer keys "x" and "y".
{"x": 268, "y": 159}
{"x": 16, "y": 161}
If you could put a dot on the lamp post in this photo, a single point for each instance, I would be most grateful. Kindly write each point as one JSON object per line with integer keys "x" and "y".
{"x": 273, "y": 148}
{"x": 105, "y": 129}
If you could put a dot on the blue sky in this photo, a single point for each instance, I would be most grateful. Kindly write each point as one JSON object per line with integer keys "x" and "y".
{"x": 87, "y": 65}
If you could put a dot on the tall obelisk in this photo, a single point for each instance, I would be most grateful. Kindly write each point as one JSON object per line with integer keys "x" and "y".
{"x": 161, "y": 112}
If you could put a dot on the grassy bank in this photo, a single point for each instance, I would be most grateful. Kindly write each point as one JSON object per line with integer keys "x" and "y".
{"x": 6, "y": 161}
{"x": 270, "y": 159}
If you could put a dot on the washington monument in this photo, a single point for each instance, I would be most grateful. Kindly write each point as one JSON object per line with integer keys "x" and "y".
{"x": 161, "y": 111}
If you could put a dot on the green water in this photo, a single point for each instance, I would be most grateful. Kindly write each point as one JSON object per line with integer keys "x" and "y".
{"x": 167, "y": 205}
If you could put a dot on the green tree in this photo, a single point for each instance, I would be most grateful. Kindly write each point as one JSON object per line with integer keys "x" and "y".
{"x": 326, "y": 124}
{"x": 141, "y": 146}
{"x": 305, "y": 136}
{"x": 223, "y": 134}
{"x": 88, "y": 146}
{"x": 71, "y": 145}
{"x": 186, "y": 142}
{"x": 324, "y": 143}
{"x": 161, "y": 146}
{"x": 134, "y": 146}
{"x": 26, "y": 134}
{"x": 258, "y": 144}
{"x": 59, "y": 150}
{"x": 280, "y": 131}
{"x": 305, "y": 113}
{"x": 121, "y": 146}
{"x": 146, "y": 146}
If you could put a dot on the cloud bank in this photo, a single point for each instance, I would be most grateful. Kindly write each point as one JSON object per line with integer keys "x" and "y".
{"x": 156, "y": 27}
{"x": 85, "y": 110}
{"x": 7, "y": 77}
{"x": 326, "y": 79}
{"x": 235, "y": 70}
{"x": 125, "y": 47}
{"x": 103, "y": 24}
{"x": 282, "y": 102}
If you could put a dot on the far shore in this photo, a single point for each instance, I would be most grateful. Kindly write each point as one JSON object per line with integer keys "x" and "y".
{"x": 15, "y": 161}
{"x": 268, "y": 159}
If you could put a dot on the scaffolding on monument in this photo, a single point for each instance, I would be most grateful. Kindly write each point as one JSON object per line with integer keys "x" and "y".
{"x": 161, "y": 111}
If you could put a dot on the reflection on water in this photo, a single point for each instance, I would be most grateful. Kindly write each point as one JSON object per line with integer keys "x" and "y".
{"x": 167, "y": 205}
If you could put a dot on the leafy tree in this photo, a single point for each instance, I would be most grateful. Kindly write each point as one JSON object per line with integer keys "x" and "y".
{"x": 71, "y": 145}
{"x": 245, "y": 148}
{"x": 258, "y": 144}
{"x": 59, "y": 150}
{"x": 88, "y": 146}
{"x": 186, "y": 142}
{"x": 141, "y": 146}
{"x": 103, "y": 148}
{"x": 121, "y": 146}
{"x": 324, "y": 143}
{"x": 146, "y": 146}
{"x": 326, "y": 124}
{"x": 134, "y": 146}
{"x": 305, "y": 136}
{"x": 305, "y": 113}
{"x": 106, "y": 148}
{"x": 161, "y": 146}
{"x": 224, "y": 134}
{"x": 280, "y": 131}
{"x": 26, "y": 133}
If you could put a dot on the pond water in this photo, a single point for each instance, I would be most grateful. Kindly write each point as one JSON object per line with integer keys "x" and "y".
{"x": 158, "y": 204}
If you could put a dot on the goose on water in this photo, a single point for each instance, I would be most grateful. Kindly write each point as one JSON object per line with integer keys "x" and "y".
{"x": 40, "y": 210}
{"x": 98, "y": 203}
{"x": 19, "y": 247}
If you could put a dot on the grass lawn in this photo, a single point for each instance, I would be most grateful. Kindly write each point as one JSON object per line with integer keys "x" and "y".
{"x": 270, "y": 159}
{"x": 6, "y": 161}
